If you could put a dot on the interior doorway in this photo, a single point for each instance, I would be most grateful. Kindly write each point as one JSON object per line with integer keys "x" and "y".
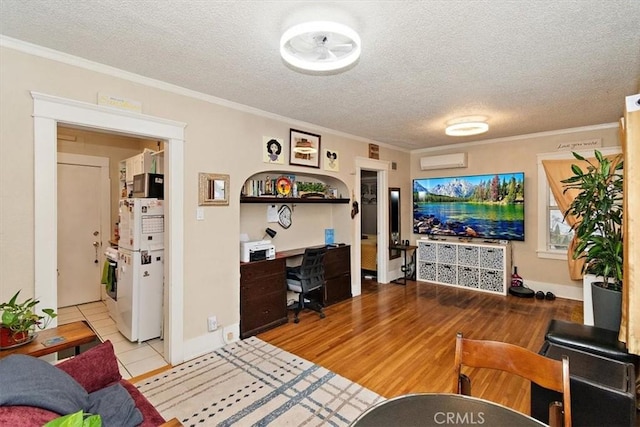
{"x": 369, "y": 223}
{"x": 48, "y": 112}
{"x": 381, "y": 169}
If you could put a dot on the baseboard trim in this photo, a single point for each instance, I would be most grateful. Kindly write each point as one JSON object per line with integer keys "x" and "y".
{"x": 211, "y": 341}
{"x": 560, "y": 291}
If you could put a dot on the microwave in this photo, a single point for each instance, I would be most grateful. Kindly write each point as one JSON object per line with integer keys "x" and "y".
{"x": 148, "y": 185}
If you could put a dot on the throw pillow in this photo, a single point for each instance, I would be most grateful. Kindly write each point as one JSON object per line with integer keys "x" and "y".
{"x": 115, "y": 406}
{"x": 95, "y": 368}
{"x": 31, "y": 381}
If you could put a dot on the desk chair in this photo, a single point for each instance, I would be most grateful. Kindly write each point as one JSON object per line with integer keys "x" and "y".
{"x": 548, "y": 373}
{"x": 305, "y": 278}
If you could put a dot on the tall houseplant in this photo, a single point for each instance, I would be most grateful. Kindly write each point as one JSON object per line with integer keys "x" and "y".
{"x": 597, "y": 208}
{"x": 19, "y": 320}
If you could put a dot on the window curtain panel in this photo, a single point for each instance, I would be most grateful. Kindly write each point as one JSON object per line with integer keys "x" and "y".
{"x": 556, "y": 171}
{"x": 630, "y": 324}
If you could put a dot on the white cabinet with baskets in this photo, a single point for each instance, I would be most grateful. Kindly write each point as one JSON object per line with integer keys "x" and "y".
{"x": 479, "y": 266}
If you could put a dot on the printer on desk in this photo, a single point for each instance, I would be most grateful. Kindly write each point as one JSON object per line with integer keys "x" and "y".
{"x": 257, "y": 250}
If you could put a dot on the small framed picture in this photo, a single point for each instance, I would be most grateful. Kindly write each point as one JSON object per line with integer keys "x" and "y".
{"x": 331, "y": 162}
{"x": 213, "y": 189}
{"x": 304, "y": 149}
{"x": 272, "y": 150}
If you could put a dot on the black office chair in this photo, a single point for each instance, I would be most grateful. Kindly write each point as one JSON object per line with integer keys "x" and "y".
{"x": 305, "y": 278}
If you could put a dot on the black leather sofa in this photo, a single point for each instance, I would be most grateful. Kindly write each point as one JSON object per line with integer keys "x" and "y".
{"x": 602, "y": 372}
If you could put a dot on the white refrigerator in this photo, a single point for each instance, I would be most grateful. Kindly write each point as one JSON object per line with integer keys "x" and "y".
{"x": 140, "y": 269}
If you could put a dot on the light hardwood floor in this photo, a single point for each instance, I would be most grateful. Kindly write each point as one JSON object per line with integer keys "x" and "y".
{"x": 396, "y": 340}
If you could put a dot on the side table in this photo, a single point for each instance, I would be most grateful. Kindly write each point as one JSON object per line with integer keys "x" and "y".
{"x": 72, "y": 335}
{"x": 405, "y": 266}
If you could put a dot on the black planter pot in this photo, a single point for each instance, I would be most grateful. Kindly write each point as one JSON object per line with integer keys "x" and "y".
{"x": 607, "y": 307}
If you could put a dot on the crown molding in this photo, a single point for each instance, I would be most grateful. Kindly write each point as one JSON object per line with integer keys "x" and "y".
{"x": 55, "y": 55}
{"x": 517, "y": 137}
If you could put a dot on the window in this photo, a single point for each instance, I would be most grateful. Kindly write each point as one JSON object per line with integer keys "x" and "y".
{"x": 554, "y": 234}
{"x": 559, "y": 233}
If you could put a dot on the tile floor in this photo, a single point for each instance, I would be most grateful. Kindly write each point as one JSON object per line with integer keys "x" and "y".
{"x": 133, "y": 358}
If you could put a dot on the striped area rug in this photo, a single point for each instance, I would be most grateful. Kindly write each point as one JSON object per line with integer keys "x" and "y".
{"x": 253, "y": 383}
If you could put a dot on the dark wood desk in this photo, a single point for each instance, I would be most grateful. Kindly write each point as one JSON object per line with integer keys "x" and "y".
{"x": 263, "y": 287}
{"x": 75, "y": 334}
{"x": 431, "y": 409}
{"x": 405, "y": 269}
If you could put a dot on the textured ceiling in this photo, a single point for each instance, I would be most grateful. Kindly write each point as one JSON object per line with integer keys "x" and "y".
{"x": 533, "y": 66}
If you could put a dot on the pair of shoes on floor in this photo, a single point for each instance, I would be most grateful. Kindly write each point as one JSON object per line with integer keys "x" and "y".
{"x": 548, "y": 296}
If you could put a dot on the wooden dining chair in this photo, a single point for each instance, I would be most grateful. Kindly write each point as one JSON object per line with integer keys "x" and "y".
{"x": 548, "y": 373}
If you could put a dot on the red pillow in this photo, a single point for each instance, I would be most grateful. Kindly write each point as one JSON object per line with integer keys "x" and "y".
{"x": 94, "y": 369}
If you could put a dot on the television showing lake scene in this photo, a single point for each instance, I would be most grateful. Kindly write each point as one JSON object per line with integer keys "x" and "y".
{"x": 481, "y": 206}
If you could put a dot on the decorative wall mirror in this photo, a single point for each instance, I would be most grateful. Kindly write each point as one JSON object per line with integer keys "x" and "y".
{"x": 394, "y": 221}
{"x": 214, "y": 189}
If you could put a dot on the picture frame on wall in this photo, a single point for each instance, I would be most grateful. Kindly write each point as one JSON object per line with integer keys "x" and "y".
{"x": 213, "y": 189}
{"x": 304, "y": 149}
{"x": 272, "y": 150}
{"x": 331, "y": 160}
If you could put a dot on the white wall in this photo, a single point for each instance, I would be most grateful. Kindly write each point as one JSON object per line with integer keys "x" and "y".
{"x": 518, "y": 154}
{"x": 218, "y": 139}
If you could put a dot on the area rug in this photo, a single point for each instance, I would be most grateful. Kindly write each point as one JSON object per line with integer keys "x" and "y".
{"x": 253, "y": 383}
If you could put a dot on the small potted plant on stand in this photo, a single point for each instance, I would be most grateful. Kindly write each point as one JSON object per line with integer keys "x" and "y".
{"x": 19, "y": 321}
{"x": 598, "y": 227}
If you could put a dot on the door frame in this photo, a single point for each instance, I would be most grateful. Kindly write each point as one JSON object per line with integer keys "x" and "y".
{"x": 50, "y": 110}
{"x": 105, "y": 200}
{"x": 382, "y": 168}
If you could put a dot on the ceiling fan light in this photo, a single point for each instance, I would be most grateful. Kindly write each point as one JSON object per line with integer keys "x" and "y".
{"x": 318, "y": 33}
{"x": 466, "y": 128}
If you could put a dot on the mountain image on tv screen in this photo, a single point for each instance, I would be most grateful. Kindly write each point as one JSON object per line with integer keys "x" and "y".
{"x": 479, "y": 206}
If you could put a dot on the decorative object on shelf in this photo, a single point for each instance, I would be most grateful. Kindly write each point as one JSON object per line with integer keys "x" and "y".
{"x": 214, "y": 189}
{"x": 284, "y": 216}
{"x": 304, "y": 149}
{"x": 19, "y": 321}
{"x": 331, "y": 160}
{"x": 284, "y": 186}
{"x": 311, "y": 189}
{"x": 272, "y": 150}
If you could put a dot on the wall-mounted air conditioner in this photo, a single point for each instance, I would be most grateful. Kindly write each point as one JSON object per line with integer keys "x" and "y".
{"x": 445, "y": 161}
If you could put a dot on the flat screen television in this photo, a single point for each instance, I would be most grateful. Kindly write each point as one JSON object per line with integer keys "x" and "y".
{"x": 478, "y": 206}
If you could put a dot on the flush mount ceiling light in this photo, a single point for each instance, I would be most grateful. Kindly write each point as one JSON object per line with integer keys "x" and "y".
{"x": 320, "y": 46}
{"x": 466, "y": 128}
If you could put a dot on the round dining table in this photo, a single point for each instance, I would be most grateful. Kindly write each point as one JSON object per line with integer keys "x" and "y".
{"x": 442, "y": 410}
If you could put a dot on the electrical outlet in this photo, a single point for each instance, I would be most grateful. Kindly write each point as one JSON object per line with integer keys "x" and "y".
{"x": 212, "y": 323}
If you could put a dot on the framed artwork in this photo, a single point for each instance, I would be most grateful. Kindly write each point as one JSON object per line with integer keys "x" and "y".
{"x": 304, "y": 149}
{"x": 374, "y": 151}
{"x": 272, "y": 150}
{"x": 331, "y": 160}
{"x": 213, "y": 189}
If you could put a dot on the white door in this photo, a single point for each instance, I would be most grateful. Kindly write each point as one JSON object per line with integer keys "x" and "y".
{"x": 79, "y": 240}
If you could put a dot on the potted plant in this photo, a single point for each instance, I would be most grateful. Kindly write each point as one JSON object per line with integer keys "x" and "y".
{"x": 598, "y": 211}
{"x": 19, "y": 321}
{"x": 311, "y": 189}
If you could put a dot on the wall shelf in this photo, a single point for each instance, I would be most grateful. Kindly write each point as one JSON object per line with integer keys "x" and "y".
{"x": 285, "y": 200}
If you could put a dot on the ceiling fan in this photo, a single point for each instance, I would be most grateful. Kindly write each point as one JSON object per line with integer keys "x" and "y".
{"x": 320, "y": 46}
